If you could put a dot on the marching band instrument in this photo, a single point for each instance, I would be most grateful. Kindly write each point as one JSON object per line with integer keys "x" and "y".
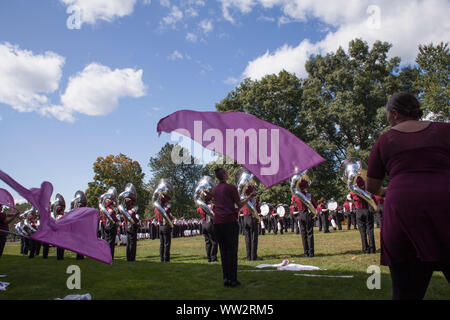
{"x": 28, "y": 227}
{"x": 111, "y": 194}
{"x": 295, "y": 190}
{"x": 79, "y": 201}
{"x": 282, "y": 210}
{"x": 129, "y": 192}
{"x": 163, "y": 188}
{"x": 244, "y": 180}
{"x": 350, "y": 170}
{"x": 265, "y": 211}
{"x": 332, "y": 206}
{"x": 202, "y": 189}
{"x": 59, "y": 203}
{"x": 20, "y": 226}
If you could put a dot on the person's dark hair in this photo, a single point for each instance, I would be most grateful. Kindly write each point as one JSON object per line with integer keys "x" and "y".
{"x": 220, "y": 173}
{"x": 405, "y": 104}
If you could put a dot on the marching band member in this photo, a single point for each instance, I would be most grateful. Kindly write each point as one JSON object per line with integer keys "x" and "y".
{"x": 165, "y": 231}
{"x": 131, "y": 229}
{"x": 251, "y": 227}
{"x": 334, "y": 214}
{"x": 324, "y": 214}
{"x": 295, "y": 217}
{"x": 379, "y": 214}
{"x": 5, "y": 220}
{"x": 34, "y": 246}
{"x": 350, "y": 213}
{"x": 305, "y": 219}
{"x": 226, "y": 197}
{"x": 364, "y": 219}
{"x": 208, "y": 232}
{"x": 274, "y": 217}
{"x": 110, "y": 228}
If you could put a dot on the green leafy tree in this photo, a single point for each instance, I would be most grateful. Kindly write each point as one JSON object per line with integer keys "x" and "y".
{"x": 434, "y": 64}
{"x": 183, "y": 176}
{"x": 117, "y": 171}
{"x": 344, "y": 96}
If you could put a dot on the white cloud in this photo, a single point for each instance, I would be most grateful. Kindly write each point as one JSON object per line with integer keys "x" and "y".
{"x": 206, "y": 25}
{"x": 232, "y": 81}
{"x": 191, "y": 37}
{"x": 244, "y": 6}
{"x": 175, "y": 56}
{"x": 174, "y": 16}
{"x": 106, "y": 10}
{"x": 403, "y": 23}
{"x": 20, "y": 201}
{"x": 26, "y": 78}
{"x": 191, "y": 12}
{"x": 96, "y": 91}
{"x": 165, "y": 3}
{"x": 1, "y": 118}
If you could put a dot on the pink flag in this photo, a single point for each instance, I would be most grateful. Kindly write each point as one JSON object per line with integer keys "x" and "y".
{"x": 271, "y": 153}
{"x": 75, "y": 231}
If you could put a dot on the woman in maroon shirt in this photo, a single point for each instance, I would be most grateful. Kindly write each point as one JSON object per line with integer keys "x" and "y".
{"x": 5, "y": 220}
{"x": 414, "y": 238}
{"x": 226, "y": 201}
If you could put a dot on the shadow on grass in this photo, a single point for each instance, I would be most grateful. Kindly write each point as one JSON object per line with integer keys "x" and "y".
{"x": 147, "y": 279}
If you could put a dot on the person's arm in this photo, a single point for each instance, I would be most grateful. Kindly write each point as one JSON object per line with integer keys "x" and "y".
{"x": 11, "y": 216}
{"x": 375, "y": 186}
{"x": 376, "y": 171}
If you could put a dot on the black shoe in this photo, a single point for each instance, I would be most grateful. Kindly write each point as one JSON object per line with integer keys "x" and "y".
{"x": 227, "y": 283}
{"x": 235, "y": 284}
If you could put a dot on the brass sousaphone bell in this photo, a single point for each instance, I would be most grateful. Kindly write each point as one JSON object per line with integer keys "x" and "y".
{"x": 349, "y": 171}
{"x": 79, "y": 201}
{"x": 202, "y": 189}
{"x": 163, "y": 188}
{"x": 129, "y": 192}
{"x": 295, "y": 190}
{"x": 58, "y": 203}
{"x": 244, "y": 180}
{"x": 111, "y": 194}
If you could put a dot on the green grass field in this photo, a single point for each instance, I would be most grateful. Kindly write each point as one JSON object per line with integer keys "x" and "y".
{"x": 189, "y": 276}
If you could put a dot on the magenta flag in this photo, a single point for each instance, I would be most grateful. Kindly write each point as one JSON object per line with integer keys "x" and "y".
{"x": 271, "y": 153}
{"x": 75, "y": 231}
{"x": 7, "y": 199}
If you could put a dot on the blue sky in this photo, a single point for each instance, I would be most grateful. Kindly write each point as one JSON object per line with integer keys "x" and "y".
{"x": 68, "y": 96}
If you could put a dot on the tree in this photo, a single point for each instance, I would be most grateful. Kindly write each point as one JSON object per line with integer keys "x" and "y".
{"x": 183, "y": 176}
{"x": 117, "y": 171}
{"x": 275, "y": 98}
{"x": 434, "y": 64}
{"x": 344, "y": 96}
{"x": 338, "y": 109}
